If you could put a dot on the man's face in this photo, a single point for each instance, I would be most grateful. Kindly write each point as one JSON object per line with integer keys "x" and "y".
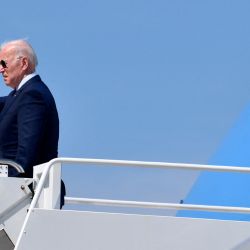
{"x": 10, "y": 67}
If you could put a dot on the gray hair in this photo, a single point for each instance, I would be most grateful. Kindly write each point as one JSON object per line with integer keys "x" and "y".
{"x": 22, "y": 48}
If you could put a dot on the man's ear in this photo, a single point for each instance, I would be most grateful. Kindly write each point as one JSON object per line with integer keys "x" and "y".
{"x": 25, "y": 63}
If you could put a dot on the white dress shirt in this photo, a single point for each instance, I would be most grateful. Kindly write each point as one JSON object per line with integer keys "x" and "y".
{"x": 25, "y": 79}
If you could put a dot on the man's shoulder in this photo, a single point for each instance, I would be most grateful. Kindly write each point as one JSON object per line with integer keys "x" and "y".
{"x": 37, "y": 85}
{"x": 34, "y": 82}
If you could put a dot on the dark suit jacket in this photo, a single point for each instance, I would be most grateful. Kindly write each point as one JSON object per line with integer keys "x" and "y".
{"x": 2, "y": 102}
{"x": 29, "y": 126}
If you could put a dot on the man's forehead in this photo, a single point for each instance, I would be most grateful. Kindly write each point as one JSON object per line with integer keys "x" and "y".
{"x": 1, "y": 54}
{"x": 7, "y": 51}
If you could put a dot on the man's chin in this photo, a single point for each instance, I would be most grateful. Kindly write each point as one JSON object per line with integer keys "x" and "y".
{"x": 7, "y": 84}
{"x": 6, "y": 81}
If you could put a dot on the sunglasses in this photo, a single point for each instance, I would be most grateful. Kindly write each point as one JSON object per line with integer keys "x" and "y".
{"x": 3, "y": 64}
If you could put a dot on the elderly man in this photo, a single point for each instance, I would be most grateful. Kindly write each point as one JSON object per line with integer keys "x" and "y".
{"x": 29, "y": 125}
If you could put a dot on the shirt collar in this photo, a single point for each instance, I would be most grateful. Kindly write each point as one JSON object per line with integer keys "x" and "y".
{"x": 25, "y": 79}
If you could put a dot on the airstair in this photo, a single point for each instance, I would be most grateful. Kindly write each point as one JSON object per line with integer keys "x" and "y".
{"x": 31, "y": 218}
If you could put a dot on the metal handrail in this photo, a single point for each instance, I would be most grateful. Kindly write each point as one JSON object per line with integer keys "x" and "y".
{"x": 144, "y": 164}
{"x": 156, "y": 205}
{"x": 13, "y": 164}
{"x": 163, "y": 165}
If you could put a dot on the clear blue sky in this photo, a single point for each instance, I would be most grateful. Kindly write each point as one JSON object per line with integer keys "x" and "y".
{"x": 141, "y": 80}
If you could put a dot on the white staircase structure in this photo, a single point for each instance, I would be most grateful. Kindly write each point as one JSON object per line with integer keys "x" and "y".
{"x": 35, "y": 222}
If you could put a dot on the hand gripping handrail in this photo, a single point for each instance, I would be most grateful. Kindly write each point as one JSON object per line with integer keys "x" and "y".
{"x": 163, "y": 165}
{"x": 13, "y": 164}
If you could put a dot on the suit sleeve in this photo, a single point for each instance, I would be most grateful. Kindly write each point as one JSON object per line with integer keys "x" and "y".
{"x": 31, "y": 122}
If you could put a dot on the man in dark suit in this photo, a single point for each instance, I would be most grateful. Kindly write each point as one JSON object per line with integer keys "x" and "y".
{"x": 29, "y": 124}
